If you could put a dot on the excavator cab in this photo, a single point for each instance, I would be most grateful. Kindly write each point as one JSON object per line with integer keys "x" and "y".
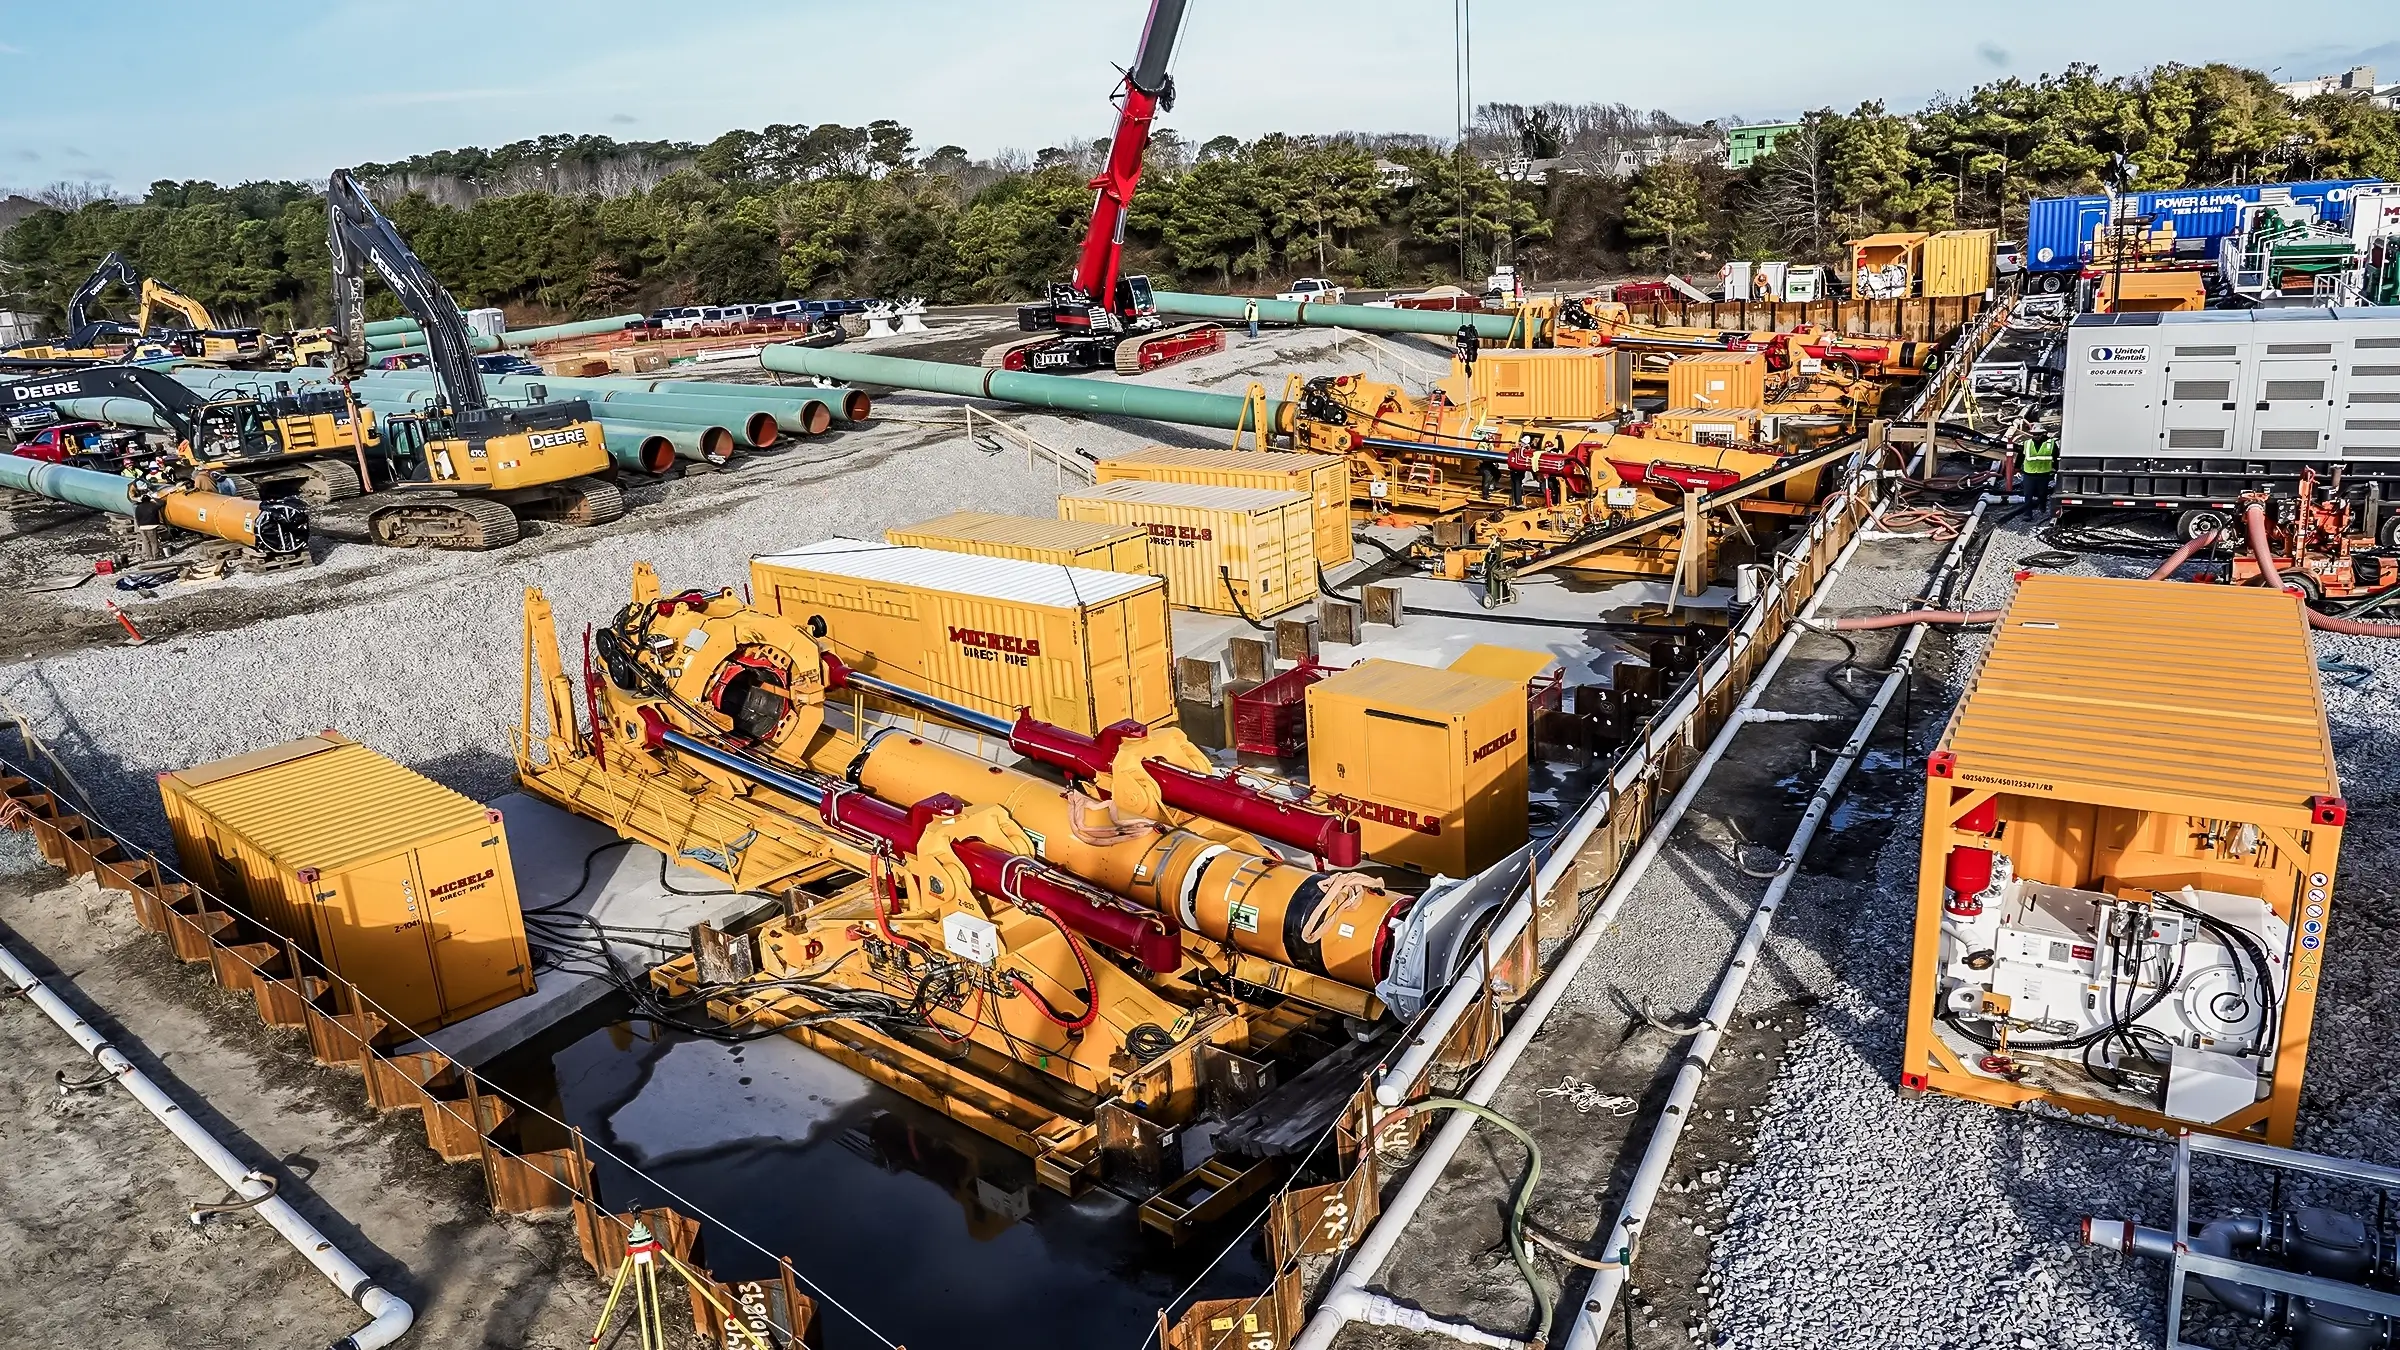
{"x": 404, "y": 448}
{"x": 233, "y": 429}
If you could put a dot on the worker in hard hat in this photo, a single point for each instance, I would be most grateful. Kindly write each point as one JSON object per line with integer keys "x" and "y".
{"x": 1250, "y": 317}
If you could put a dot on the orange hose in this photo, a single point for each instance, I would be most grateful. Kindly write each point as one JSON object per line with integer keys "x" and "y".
{"x": 2183, "y": 555}
{"x": 2254, "y": 519}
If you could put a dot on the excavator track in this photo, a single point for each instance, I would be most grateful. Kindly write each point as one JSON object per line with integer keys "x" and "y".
{"x": 330, "y": 480}
{"x": 462, "y": 524}
{"x": 996, "y": 358}
{"x": 1149, "y": 351}
{"x": 574, "y": 501}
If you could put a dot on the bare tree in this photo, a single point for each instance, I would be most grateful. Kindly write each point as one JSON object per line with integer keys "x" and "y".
{"x": 74, "y": 196}
{"x": 1795, "y": 199}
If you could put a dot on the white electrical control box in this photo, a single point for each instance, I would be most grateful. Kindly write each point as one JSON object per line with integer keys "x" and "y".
{"x": 970, "y": 937}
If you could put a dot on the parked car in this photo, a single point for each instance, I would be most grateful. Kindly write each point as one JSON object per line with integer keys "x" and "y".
{"x": 62, "y": 441}
{"x": 505, "y": 363}
{"x": 2008, "y": 258}
{"x": 1312, "y": 288}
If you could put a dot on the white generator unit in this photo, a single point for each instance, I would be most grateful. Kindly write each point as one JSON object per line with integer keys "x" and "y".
{"x": 2186, "y": 411}
{"x": 2173, "y": 997}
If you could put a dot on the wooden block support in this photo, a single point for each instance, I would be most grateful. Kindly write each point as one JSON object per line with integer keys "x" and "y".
{"x": 1295, "y": 639}
{"x": 1383, "y": 605}
{"x": 1340, "y": 621}
{"x": 1253, "y": 661}
{"x": 1199, "y": 680}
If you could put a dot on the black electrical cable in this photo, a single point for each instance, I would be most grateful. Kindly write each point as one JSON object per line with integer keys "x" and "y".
{"x": 581, "y": 882}
{"x": 1225, "y": 574}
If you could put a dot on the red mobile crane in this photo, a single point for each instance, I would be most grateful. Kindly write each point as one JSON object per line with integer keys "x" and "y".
{"x": 1101, "y": 318}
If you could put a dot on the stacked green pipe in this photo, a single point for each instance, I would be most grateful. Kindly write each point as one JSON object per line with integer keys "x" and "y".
{"x": 1366, "y": 318}
{"x": 1118, "y": 398}
{"x": 401, "y": 337}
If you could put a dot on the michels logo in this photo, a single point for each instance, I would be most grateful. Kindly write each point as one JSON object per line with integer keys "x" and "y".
{"x": 461, "y": 884}
{"x": 996, "y": 642}
{"x": 1184, "y": 535}
{"x": 1394, "y": 816}
{"x": 1496, "y": 746}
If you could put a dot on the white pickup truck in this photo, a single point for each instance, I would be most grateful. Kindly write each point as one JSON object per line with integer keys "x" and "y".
{"x": 1316, "y": 289}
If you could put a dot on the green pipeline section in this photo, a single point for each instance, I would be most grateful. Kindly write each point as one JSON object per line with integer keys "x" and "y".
{"x": 1066, "y": 393}
{"x": 406, "y": 335}
{"x": 1365, "y": 318}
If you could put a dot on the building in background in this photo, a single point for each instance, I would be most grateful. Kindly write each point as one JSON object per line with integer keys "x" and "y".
{"x": 1745, "y": 146}
{"x": 2357, "y": 82}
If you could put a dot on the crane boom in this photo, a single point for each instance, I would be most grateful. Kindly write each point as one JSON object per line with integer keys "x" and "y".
{"x": 1146, "y": 91}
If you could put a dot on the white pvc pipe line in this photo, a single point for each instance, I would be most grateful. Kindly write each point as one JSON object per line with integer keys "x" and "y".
{"x": 1609, "y": 1281}
{"x": 391, "y": 1317}
{"x": 1392, "y": 1087}
{"x": 1350, "y": 1299}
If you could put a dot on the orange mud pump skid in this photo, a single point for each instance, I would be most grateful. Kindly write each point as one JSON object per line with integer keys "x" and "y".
{"x": 1077, "y": 966}
{"x": 2130, "y": 832}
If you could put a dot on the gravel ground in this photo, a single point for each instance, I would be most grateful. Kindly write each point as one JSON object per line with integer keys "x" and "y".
{"x": 1866, "y": 1219}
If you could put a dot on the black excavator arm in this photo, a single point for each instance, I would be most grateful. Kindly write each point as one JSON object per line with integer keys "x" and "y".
{"x": 176, "y": 405}
{"x": 360, "y": 238}
{"x": 80, "y": 328}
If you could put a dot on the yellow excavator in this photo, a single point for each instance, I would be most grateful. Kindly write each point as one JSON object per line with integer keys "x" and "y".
{"x": 201, "y": 335}
{"x": 464, "y": 470}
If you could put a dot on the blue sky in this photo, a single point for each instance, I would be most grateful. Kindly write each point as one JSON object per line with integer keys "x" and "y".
{"x": 133, "y": 90}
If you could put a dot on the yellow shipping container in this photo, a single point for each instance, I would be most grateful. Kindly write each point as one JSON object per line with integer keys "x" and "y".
{"x": 1706, "y": 426}
{"x": 2138, "y": 784}
{"x": 1325, "y": 478}
{"x": 1066, "y": 543}
{"x": 1080, "y": 648}
{"x": 1430, "y": 762}
{"x": 1958, "y": 262}
{"x": 395, "y": 882}
{"x": 1718, "y": 381}
{"x": 1222, "y": 550}
{"x": 1572, "y": 384}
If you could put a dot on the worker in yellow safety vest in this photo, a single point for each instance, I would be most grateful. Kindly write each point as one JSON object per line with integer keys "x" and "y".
{"x": 2037, "y": 460}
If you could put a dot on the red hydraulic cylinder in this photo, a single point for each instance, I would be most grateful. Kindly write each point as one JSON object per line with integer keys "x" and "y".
{"x": 1322, "y": 834}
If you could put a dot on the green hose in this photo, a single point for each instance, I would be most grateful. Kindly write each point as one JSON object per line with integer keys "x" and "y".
{"x": 1516, "y": 1210}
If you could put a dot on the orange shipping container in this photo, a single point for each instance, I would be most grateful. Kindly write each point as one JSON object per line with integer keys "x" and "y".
{"x": 2126, "y": 885}
{"x": 1080, "y": 648}
{"x": 1885, "y": 266}
{"x": 1431, "y": 762}
{"x": 395, "y": 882}
{"x": 1222, "y": 550}
{"x": 1583, "y": 384}
{"x": 1325, "y": 478}
{"x": 1066, "y": 543}
{"x": 1718, "y": 381}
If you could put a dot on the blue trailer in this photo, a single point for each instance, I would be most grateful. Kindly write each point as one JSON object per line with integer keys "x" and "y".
{"x": 2059, "y": 230}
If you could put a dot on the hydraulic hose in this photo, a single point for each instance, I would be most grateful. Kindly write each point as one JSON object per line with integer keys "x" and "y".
{"x": 2207, "y": 540}
{"x": 2254, "y": 521}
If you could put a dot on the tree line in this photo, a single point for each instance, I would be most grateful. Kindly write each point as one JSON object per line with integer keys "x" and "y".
{"x": 578, "y": 226}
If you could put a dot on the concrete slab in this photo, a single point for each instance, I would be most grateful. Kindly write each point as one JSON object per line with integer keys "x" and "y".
{"x": 1548, "y": 615}
{"x": 549, "y": 846}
